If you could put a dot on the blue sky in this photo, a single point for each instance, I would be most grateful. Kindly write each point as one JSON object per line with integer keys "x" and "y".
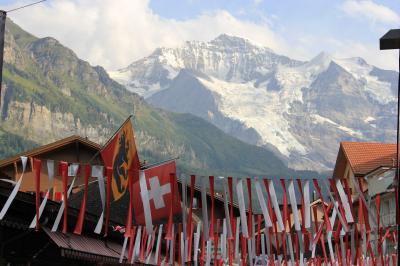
{"x": 114, "y": 33}
{"x": 323, "y": 18}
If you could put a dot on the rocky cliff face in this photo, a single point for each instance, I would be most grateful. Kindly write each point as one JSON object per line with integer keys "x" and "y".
{"x": 48, "y": 90}
{"x": 299, "y": 110}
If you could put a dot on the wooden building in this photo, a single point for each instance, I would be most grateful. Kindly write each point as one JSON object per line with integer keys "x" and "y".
{"x": 20, "y": 245}
{"x": 70, "y": 149}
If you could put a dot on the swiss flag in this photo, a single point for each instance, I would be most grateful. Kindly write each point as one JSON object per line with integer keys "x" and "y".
{"x": 159, "y": 193}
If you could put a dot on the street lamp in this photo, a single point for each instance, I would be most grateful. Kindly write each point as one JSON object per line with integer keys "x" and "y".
{"x": 390, "y": 41}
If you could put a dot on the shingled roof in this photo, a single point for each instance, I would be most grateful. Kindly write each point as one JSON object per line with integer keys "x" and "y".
{"x": 51, "y": 147}
{"x": 364, "y": 157}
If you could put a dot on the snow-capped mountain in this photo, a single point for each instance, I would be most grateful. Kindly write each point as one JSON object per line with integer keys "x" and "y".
{"x": 300, "y": 110}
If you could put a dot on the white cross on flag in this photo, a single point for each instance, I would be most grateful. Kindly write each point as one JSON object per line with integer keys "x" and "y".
{"x": 159, "y": 193}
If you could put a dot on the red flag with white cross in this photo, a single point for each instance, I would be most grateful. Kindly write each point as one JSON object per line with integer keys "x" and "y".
{"x": 159, "y": 193}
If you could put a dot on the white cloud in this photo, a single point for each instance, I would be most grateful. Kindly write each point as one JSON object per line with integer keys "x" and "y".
{"x": 386, "y": 59}
{"x": 114, "y": 33}
{"x": 371, "y": 11}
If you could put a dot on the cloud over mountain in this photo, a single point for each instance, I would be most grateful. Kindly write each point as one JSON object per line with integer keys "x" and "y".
{"x": 113, "y": 33}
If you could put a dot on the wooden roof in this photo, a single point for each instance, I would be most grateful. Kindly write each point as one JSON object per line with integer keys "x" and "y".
{"x": 51, "y": 147}
{"x": 364, "y": 157}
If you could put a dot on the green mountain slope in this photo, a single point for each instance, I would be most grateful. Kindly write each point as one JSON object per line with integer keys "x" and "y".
{"x": 50, "y": 93}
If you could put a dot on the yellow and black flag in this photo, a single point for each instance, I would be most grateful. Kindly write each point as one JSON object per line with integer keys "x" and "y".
{"x": 121, "y": 155}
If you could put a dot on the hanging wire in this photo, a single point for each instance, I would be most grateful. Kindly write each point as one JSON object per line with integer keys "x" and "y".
{"x": 21, "y": 7}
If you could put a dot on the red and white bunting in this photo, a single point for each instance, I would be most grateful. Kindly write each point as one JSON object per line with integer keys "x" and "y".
{"x": 349, "y": 235}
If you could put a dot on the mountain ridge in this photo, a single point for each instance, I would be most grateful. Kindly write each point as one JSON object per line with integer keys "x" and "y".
{"x": 300, "y": 110}
{"x": 50, "y": 93}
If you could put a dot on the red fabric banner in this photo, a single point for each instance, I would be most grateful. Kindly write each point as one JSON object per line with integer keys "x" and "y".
{"x": 365, "y": 210}
{"x": 64, "y": 175}
{"x": 244, "y": 250}
{"x": 303, "y": 229}
{"x": 190, "y": 218}
{"x": 283, "y": 238}
{"x": 396, "y": 190}
{"x": 273, "y": 218}
{"x": 250, "y": 215}
{"x": 216, "y": 239}
{"x": 326, "y": 213}
{"x": 286, "y": 217}
{"x": 230, "y": 188}
{"x": 168, "y": 234}
{"x": 211, "y": 230}
{"x": 173, "y": 247}
{"x": 338, "y": 199}
{"x": 131, "y": 243}
{"x": 180, "y": 244}
{"x": 143, "y": 245}
{"x": 82, "y": 211}
{"x": 258, "y": 242}
{"x": 37, "y": 164}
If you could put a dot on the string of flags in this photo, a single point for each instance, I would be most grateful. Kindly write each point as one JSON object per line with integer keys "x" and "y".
{"x": 284, "y": 225}
{"x": 289, "y": 231}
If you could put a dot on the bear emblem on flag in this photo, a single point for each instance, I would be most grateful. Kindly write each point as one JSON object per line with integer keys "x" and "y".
{"x": 121, "y": 155}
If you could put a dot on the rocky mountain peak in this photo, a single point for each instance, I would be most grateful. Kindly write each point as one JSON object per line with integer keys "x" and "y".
{"x": 323, "y": 59}
{"x": 300, "y": 110}
{"x": 225, "y": 40}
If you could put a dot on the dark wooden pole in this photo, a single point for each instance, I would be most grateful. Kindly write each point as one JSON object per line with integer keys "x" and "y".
{"x": 3, "y": 16}
{"x": 391, "y": 41}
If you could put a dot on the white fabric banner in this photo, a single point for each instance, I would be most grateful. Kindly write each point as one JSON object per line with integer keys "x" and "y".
{"x": 98, "y": 171}
{"x": 184, "y": 208}
{"x": 208, "y": 253}
{"x": 237, "y": 239}
{"x": 263, "y": 250}
{"x": 122, "y": 255}
{"x": 293, "y": 203}
{"x": 307, "y": 210}
{"x": 136, "y": 247}
{"x": 250, "y": 251}
{"x": 223, "y": 238}
{"x": 204, "y": 207}
{"x": 335, "y": 205}
{"x": 226, "y": 207}
{"x": 182, "y": 247}
{"x": 242, "y": 207}
{"x": 158, "y": 244}
{"x": 329, "y": 235}
{"x": 50, "y": 173}
{"x": 261, "y": 201}
{"x": 290, "y": 244}
{"x": 345, "y": 202}
{"x": 276, "y": 205}
{"x": 149, "y": 247}
{"x": 371, "y": 214}
{"x": 296, "y": 218}
{"x": 172, "y": 247}
{"x": 14, "y": 192}
{"x": 144, "y": 193}
{"x": 196, "y": 243}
